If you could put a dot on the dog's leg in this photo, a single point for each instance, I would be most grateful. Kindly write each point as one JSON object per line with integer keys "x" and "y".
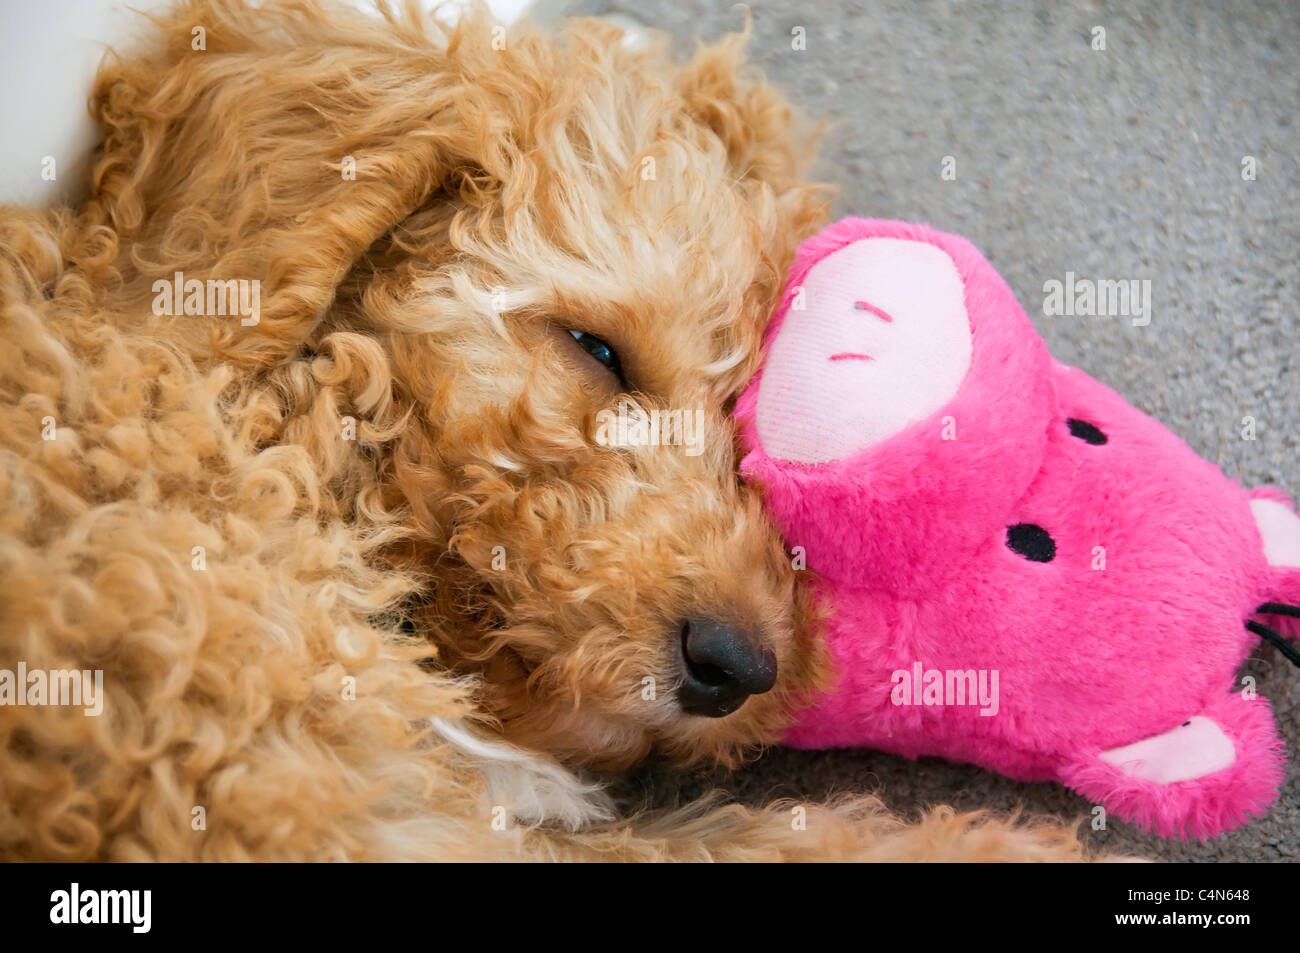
{"x": 859, "y": 829}
{"x": 556, "y": 815}
{"x": 533, "y": 788}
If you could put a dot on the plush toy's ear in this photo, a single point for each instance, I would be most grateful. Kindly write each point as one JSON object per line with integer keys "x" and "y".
{"x": 273, "y": 145}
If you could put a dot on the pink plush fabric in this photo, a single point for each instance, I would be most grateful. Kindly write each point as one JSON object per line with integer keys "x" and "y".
{"x": 1111, "y": 620}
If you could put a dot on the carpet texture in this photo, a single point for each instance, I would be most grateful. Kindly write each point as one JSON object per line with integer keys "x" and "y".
{"x": 1123, "y": 163}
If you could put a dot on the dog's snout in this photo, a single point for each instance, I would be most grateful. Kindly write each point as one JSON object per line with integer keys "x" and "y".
{"x": 722, "y": 666}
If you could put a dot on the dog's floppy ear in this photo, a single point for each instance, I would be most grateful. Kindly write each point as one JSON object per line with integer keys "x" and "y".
{"x": 768, "y": 148}
{"x": 751, "y": 118}
{"x": 768, "y": 151}
{"x": 272, "y": 144}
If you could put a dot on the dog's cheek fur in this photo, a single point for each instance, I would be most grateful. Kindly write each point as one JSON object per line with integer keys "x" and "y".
{"x": 568, "y": 595}
{"x": 561, "y": 570}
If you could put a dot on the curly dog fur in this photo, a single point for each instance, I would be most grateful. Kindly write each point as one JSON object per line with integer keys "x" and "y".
{"x": 411, "y": 644}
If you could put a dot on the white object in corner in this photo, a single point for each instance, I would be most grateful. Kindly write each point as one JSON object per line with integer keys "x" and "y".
{"x": 49, "y": 51}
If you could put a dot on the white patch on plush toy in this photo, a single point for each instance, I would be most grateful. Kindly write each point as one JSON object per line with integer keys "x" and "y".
{"x": 1279, "y": 528}
{"x": 882, "y": 342}
{"x": 1192, "y": 750}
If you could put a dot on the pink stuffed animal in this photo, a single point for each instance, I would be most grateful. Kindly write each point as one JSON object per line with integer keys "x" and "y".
{"x": 1025, "y": 571}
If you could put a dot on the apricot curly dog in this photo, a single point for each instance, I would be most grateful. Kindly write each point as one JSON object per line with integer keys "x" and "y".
{"x": 359, "y": 579}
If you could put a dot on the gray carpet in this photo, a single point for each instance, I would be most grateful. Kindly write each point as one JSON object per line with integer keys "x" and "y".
{"x": 1125, "y": 163}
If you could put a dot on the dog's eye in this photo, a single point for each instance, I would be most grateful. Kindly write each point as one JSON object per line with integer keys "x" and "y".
{"x": 598, "y": 349}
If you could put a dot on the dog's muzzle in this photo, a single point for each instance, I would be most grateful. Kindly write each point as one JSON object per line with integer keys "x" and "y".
{"x": 722, "y": 666}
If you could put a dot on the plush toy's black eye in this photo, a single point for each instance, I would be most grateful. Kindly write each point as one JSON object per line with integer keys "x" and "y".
{"x": 601, "y": 351}
{"x": 1088, "y": 433}
{"x": 1031, "y": 541}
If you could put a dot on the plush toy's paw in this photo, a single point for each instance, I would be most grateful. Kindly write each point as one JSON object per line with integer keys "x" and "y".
{"x": 1279, "y": 530}
{"x": 1279, "y": 536}
{"x": 1196, "y": 748}
{"x": 880, "y": 339}
{"x": 1211, "y": 773}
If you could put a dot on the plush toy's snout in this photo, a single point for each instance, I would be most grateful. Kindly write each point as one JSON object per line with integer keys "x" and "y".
{"x": 986, "y": 520}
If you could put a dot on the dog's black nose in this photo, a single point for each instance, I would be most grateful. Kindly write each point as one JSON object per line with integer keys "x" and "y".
{"x": 723, "y": 665}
